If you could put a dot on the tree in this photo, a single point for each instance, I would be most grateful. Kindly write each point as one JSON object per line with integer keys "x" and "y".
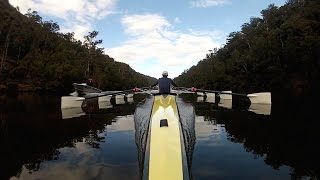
{"x": 91, "y": 43}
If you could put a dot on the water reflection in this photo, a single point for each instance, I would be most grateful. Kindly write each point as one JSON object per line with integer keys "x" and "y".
{"x": 230, "y": 143}
{"x": 226, "y": 96}
{"x": 130, "y": 99}
{"x": 226, "y": 103}
{"x": 264, "y": 109}
{"x": 44, "y": 142}
{"x": 200, "y": 98}
{"x": 141, "y": 121}
{"x": 120, "y": 99}
{"x": 105, "y": 102}
{"x": 38, "y": 143}
{"x": 105, "y": 105}
{"x": 187, "y": 119}
{"x": 210, "y": 97}
{"x": 84, "y": 162}
{"x": 93, "y": 105}
{"x": 205, "y": 128}
{"x": 68, "y": 113}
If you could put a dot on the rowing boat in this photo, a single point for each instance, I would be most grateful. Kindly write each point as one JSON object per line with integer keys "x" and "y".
{"x": 165, "y": 144}
{"x": 165, "y": 157}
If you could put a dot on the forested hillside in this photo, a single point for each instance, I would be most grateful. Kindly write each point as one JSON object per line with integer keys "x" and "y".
{"x": 278, "y": 52}
{"x": 36, "y": 56}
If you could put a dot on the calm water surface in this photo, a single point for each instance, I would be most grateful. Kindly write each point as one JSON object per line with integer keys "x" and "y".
{"x": 106, "y": 141}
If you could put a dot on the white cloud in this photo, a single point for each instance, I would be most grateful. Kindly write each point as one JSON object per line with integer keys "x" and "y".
{"x": 79, "y": 30}
{"x": 153, "y": 43}
{"x": 77, "y": 15}
{"x": 177, "y": 20}
{"x": 154, "y": 46}
{"x": 208, "y": 3}
{"x": 142, "y": 24}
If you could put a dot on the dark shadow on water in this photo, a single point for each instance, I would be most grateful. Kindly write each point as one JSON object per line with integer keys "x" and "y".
{"x": 287, "y": 137}
{"x": 187, "y": 119}
{"x": 32, "y": 129}
{"x": 141, "y": 121}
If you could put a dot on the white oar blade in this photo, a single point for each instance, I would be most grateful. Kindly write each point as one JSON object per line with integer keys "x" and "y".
{"x": 130, "y": 100}
{"x": 260, "y": 98}
{"x": 68, "y": 113}
{"x": 129, "y": 95}
{"x": 210, "y": 97}
{"x": 120, "y": 99}
{"x": 226, "y": 103}
{"x": 200, "y": 99}
{"x": 104, "y": 99}
{"x": 264, "y": 109}
{"x": 120, "y": 96}
{"x": 75, "y": 93}
{"x": 226, "y": 96}
{"x": 105, "y": 105}
{"x": 71, "y": 101}
{"x": 104, "y": 102}
{"x": 200, "y": 93}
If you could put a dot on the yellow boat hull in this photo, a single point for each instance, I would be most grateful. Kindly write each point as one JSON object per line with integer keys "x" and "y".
{"x": 166, "y": 158}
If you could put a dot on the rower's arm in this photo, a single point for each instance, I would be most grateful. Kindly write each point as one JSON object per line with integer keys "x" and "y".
{"x": 174, "y": 84}
{"x": 154, "y": 84}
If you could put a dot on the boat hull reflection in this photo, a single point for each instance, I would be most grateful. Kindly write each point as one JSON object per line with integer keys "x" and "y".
{"x": 142, "y": 121}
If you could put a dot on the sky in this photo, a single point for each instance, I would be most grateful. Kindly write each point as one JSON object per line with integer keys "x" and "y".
{"x": 151, "y": 36}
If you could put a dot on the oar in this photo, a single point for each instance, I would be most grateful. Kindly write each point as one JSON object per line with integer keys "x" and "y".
{"x": 71, "y": 101}
{"x": 95, "y": 95}
{"x": 183, "y": 89}
{"x": 260, "y": 98}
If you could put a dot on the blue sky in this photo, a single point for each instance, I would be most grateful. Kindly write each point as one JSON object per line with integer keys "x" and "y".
{"x": 152, "y": 36}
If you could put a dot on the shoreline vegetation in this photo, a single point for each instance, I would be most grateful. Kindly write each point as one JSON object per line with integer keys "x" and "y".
{"x": 277, "y": 52}
{"x": 35, "y": 56}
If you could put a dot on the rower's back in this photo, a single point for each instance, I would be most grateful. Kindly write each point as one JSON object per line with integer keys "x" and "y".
{"x": 164, "y": 85}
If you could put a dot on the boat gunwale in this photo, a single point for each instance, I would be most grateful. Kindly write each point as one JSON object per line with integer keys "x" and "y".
{"x": 185, "y": 169}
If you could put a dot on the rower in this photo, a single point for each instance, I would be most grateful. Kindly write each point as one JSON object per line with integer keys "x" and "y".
{"x": 164, "y": 83}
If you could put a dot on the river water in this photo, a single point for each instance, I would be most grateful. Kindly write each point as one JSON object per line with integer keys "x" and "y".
{"x": 223, "y": 139}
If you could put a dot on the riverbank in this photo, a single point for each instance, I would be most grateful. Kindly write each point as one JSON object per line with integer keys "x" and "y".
{"x": 17, "y": 87}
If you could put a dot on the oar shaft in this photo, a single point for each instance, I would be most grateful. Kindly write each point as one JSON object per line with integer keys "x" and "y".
{"x": 209, "y": 91}
{"x": 183, "y": 88}
{"x": 220, "y": 92}
{"x": 113, "y": 93}
{"x": 262, "y": 98}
